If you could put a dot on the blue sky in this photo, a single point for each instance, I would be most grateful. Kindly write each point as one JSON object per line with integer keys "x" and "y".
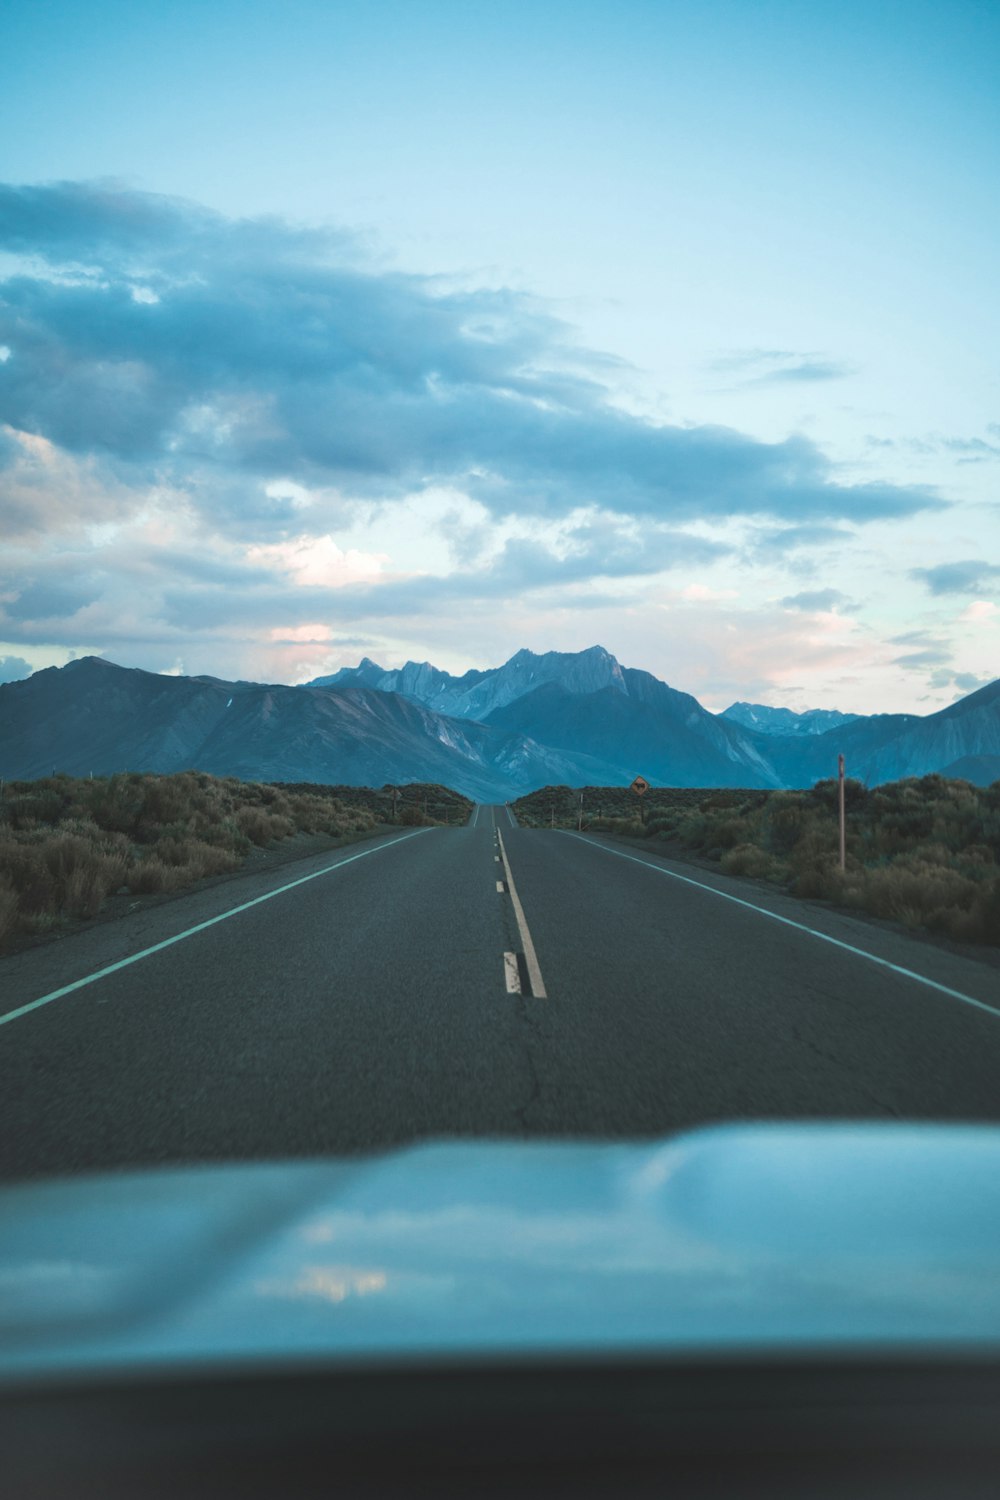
{"x": 436, "y": 330}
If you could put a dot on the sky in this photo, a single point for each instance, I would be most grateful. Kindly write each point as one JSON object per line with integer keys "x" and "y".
{"x": 435, "y": 329}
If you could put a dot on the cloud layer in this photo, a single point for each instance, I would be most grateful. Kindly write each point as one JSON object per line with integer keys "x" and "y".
{"x": 244, "y": 447}
{"x": 970, "y": 576}
{"x": 161, "y": 337}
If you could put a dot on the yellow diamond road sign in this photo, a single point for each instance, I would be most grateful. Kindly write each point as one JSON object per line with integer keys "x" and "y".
{"x": 640, "y": 785}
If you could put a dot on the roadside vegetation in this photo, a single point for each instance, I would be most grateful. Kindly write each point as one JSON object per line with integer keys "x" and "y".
{"x": 420, "y": 804}
{"x": 924, "y": 852}
{"x": 67, "y": 845}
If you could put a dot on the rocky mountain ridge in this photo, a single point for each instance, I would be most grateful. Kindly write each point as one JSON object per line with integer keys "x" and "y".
{"x": 767, "y": 720}
{"x": 571, "y": 718}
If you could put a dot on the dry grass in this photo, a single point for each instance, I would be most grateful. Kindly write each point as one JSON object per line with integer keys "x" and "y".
{"x": 924, "y": 852}
{"x": 66, "y": 845}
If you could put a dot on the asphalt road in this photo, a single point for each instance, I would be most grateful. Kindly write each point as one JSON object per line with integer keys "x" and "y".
{"x": 401, "y": 989}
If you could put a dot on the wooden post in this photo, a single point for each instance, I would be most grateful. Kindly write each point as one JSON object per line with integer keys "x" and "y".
{"x": 843, "y": 819}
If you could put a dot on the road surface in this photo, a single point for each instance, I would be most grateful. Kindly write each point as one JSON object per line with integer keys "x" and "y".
{"x": 485, "y": 981}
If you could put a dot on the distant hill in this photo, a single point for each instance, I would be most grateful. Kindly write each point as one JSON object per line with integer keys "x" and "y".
{"x": 981, "y": 770}
{"x": 95, "y": 716}
{"x": 785, "y": 720}
{"x": 561, "y": 718}
{"x": 644, "y": 725}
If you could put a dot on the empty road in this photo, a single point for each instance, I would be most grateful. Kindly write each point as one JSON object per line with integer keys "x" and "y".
{"x": 485, "y": 981}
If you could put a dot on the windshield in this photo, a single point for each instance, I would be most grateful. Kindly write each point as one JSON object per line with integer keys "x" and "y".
{"x": 500, "y": 599}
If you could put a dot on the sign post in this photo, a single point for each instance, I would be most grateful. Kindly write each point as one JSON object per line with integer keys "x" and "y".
{"x": 579, "y": 823}
{"x": 640, "y": 786}
{"x": 843, "y": 820}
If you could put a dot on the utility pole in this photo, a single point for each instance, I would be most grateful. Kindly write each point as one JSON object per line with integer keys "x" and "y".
{"x": 843, "y": 820}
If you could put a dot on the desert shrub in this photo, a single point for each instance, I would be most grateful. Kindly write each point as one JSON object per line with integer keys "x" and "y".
{"x": 117, "y": 804}
{"x": 661, "y": 825}
{"x": 28, "y": 872}
{"x": 208, "y": 859}
{"x": 696, "y": 830}
{"x": 89, "y": 882}
{"x": 819, "y": 880}
{"x": 826, "y": 794}
{"x": 224, "y": 833}
{"x": 151, "y": 875}
{"x": 785, "y": 821}
{"x": 8, "y": 909}
{"x": 750, "y": 859}
{"x": 411, "y": 815}
{"x": 171, "y": 850}
{"x": 20, "y": 811}
{"x": 261, "y": 827}
{"x": 986, "y": 913}
{"x": 167, "y": 800}
{"x": 65, "y": 843}
{"x": 66, "y": 852}
{"x": 977, "y": 855}
{"x": 727, "y": 832}
{"x": 915, "y": 889}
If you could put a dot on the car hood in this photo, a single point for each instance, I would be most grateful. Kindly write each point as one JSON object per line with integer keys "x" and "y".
{"x": 757, "y": 1238}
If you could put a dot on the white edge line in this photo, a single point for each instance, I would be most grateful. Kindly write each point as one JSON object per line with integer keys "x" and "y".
{"x": 513, "y": 820}
{"x": 123, "y": 963}
{"x": 512, "y": 977}
{"x": 873, "y": 958}
{"x": 475, "y": 816}
{"x": 530, "y": 956}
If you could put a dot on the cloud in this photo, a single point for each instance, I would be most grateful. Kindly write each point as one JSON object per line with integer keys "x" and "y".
{"x": 14, "y": 668}
{"x": 931, "y": 657}
{"x": 978, "y": 611}
{"x": 192, "y": 350}
{"x": 964, "y": 682}
{"x": 780, "y": 366}
{"x": 318, "y": 560}
{"x": 162, "y": 594}
{"x": 54, "y": 599}
{"x": 972, "y": 450}
{"x": 779, "y": 541}
{"x": 973, "y": 576}
{"x": 592, "y": 550}
{"x": 45, "y": 489}
{"x": 821, "y": 600}
{"x": 916, "y": 638}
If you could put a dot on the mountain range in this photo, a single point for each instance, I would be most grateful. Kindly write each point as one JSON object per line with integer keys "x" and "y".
{"x": 571, "y": 718}
{"x": 785, "y": 720}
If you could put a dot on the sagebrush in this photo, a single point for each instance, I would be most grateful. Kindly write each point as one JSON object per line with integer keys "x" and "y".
{"x": 924, "y": 851}
{"x": 66, "y": 844}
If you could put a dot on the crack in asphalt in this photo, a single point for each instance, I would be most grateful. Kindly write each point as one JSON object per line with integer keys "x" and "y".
{"x": 844, "y": 1067}
{"x": 527, "y": 1026}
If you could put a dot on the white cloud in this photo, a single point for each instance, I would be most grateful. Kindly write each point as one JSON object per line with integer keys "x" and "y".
{"x": 318, "y": 561}
{"x": 980, "y": 610}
